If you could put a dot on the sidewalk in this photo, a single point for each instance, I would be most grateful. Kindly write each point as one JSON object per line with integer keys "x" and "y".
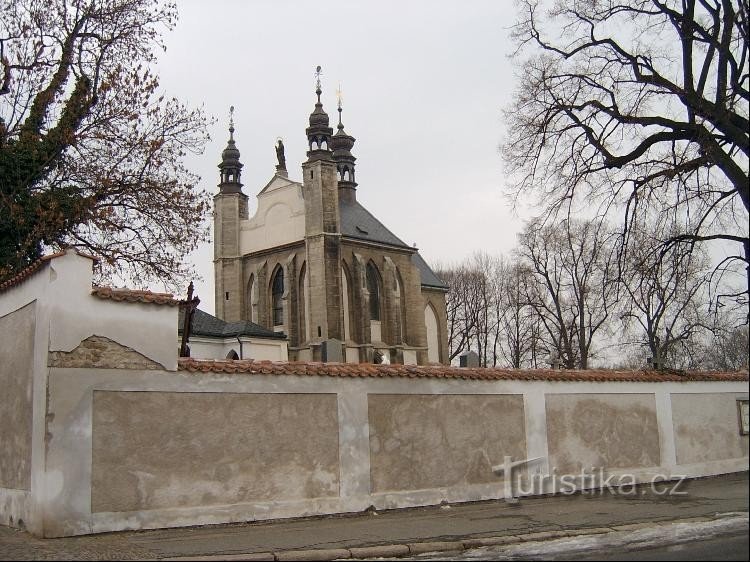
{"x": 550, "y": 516}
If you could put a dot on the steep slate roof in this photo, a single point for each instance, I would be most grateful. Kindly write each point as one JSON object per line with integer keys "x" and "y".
{"x": 205, "y": 324}
{"x": 251, "y": 367}
{"x": 357, "y": 222}
{"x": 429, "y": 279}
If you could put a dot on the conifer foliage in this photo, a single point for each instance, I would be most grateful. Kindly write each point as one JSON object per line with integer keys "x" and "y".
{"x": 91, "y": 151}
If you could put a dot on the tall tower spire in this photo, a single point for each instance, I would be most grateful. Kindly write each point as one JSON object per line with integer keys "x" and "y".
{"x": 322, "y": 231}
{"x": 230, "y": 209}
{"x": 319, "y": 132}
{"x": 342, "y": 144}
{"x": 230, "y": 167}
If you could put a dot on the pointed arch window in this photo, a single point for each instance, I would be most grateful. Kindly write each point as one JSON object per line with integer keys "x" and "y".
{"x": 302, "y": 304}
{"x": 252, "y": 299}
{"x": 277, "y": 293}
{"x": 373, "y": 286}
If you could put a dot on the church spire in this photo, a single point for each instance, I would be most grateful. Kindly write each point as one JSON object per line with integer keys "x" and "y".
{"x": 230, "y": 167}
{"x": 342, "y": 144}
{"x": 319, "y": 132}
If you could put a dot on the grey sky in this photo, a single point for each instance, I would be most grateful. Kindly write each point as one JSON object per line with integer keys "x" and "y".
{"x": 423, "y": 85}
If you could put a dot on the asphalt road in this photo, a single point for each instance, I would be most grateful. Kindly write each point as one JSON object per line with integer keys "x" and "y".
{"x": 721, "y": 539}
{"x": 704, "y": 498}
{"x": 734, "y": 547}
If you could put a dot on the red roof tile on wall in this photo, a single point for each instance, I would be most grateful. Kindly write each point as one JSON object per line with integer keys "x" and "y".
{"x": 32, "y": 268}
{"x": 131, "y": 295}
{"x": 28, "y": 271}
{"x": 445, "y": 372}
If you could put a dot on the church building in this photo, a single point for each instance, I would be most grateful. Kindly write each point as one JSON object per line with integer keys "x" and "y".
{"x": 315, "y": 264}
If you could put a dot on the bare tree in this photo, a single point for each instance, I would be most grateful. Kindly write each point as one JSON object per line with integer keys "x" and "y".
{"x": 518, "y": 341}
{"x": 486, "y": 272}
{"x": 91, "y": 153}
{"x": 473, "y": 303}
{"x": 636, "y": 107}
{"x": 727, "y": 349}
{"x": 572, "y": 261}
{"x": 462, "y": 304}
{"x": 667, "y": 296}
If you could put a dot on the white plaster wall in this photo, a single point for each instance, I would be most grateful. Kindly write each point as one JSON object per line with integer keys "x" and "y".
{"x": 266, "y": 350}
{"x": 278, "y": 220}
{"x": 201, "y": 348}
{"x": 69, "y": 460}
{"x": 66, "y": 314}
{"x": 77, "y": 314}
{"x": 28, "y": 505}
{"x": 252, "y": 348}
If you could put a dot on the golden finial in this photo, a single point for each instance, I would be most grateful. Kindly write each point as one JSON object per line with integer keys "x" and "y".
{"x": 339, "y": 95}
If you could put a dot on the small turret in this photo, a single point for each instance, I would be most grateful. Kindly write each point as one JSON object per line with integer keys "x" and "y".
{"x": 319, "y": 132}
{"x": 342, "y": 145}
{"x": 230, "y": 209}
{"x": 230, "y": 166}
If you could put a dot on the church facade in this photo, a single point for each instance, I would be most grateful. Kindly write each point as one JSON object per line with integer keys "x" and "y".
{"x": 313, "y": 263}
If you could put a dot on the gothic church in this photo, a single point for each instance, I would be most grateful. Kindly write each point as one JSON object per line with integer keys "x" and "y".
{"x": 315, "y": 264}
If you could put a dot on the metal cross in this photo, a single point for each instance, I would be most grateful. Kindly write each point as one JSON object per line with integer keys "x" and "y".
{"x": 318, "y": 74}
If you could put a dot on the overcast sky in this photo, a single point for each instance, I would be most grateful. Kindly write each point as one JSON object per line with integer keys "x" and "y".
{"x": 423, "y": 86}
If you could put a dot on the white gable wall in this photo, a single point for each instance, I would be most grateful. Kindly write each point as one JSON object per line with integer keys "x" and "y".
{"x": 279, "y": 219}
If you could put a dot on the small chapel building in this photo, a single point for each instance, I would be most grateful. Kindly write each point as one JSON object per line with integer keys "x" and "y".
{"x": 313, "y": 263}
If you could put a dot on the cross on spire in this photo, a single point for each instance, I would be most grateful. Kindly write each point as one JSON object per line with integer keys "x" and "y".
{"x": 318, "y": 74}
{"x": 339, "y": 100}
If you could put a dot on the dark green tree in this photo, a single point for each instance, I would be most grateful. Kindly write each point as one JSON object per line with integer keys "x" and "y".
{"x": 91, "y": 152}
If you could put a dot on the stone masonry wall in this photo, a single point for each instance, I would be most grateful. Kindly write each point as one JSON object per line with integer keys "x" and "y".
{"x": 97, "y": 351}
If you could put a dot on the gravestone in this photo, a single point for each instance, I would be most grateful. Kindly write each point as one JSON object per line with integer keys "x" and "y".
{"x": 332, "y": 351}
{"x": 468, "y": 359}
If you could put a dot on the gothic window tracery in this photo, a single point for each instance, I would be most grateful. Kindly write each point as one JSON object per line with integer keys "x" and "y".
{"x": 373, "y": 286}
{"x": 277, "y": 293}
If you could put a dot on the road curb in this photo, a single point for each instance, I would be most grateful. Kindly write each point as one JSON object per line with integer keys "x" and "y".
{"x": 411, "y": 549}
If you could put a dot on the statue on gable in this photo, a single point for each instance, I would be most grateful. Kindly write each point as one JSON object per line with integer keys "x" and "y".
{"x": 280, "y": 155}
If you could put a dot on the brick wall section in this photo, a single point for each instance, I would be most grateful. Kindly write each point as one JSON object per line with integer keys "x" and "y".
{"x": 97, "y": 351}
